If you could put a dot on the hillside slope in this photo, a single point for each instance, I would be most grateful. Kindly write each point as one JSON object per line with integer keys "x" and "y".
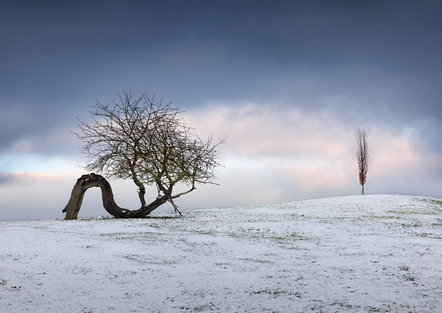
{"x": 379, "y": 253}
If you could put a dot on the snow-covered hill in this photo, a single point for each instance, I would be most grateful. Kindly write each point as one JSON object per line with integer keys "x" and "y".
{"x": 379, "y": 253}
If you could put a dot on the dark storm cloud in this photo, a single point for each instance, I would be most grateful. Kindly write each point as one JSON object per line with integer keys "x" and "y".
{"x": 376, "y": 60}
{"x": 62, "y": 42}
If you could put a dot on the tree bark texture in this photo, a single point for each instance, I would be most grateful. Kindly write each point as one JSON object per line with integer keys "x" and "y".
{"x": 92, "y": 180}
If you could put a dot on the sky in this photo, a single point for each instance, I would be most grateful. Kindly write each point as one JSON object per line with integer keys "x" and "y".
{"x": 287, "y": 83}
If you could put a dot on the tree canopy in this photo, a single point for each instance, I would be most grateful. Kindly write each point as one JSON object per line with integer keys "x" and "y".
{"x": 148, "y": 142}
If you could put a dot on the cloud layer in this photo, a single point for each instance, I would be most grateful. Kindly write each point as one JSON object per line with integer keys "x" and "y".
{"x": 270, "y": 155}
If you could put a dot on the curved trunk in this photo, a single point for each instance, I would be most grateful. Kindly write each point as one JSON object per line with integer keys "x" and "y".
{"x": 92, "y": 180}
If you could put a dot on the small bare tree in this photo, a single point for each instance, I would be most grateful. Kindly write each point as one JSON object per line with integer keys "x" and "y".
{"x": 362, "y": 156}
{"x": 145, "y": 141}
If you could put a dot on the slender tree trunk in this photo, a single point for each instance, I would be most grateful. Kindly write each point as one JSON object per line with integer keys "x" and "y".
{"x": 362, "y": 156}
{"x": 141, "y": 189}
{"x": 141, "y": 193}
{"x": 92, "y": 180}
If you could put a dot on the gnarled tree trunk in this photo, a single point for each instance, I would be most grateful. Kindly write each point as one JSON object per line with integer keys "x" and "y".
{"x": 92, "y": 180}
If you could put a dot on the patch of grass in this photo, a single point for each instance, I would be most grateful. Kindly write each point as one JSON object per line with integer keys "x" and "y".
{"x": 381, "y": 217}
{"x": 344, "y": 305}
{"x": 256, "y": 261}
{"x": 437, "y": 204}
{"x": 409, "y": 278}
{"x": 204, "y": 231}
{"x": 202, "y": 308}
{"x": 144, "y": 235}
{"x": 373, "y": 309}
{"x": 289, "y": 237}
{"x": 429, "y": 235}
{"x": 409, "y": 212}
{"x": 223, "y": 265}
{"x": 275, "y": 293}
{"x": 118, "y": 236}
{"x": 413, "y": 224}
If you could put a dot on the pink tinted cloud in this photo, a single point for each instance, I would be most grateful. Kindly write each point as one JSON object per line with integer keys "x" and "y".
{"x": 259, "y": 131}
{"x": 297, "y": 155}
{"x": 399, "y": 156}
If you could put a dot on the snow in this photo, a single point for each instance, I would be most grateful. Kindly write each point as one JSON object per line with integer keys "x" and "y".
{"x": 374, "y": 253}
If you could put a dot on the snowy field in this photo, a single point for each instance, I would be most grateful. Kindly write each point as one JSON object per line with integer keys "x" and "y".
{"x": 379, "y": 253}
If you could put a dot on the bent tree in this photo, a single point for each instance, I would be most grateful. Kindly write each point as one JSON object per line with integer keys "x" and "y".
{"x": 146, "y": 141}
